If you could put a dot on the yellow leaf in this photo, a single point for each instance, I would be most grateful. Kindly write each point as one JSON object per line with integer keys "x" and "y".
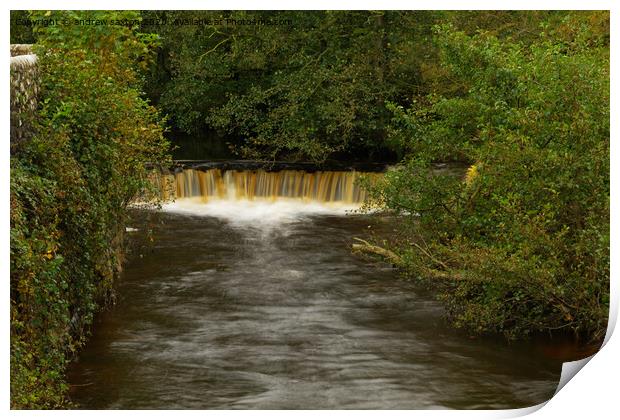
{"x": 472, "y": 172}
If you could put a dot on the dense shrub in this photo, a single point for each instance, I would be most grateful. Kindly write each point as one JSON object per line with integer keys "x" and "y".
{"x": 70, "y": 188}
{"x": 521, "y": 241}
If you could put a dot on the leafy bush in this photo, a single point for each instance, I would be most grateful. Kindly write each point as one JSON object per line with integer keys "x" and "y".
{"x": 70, "y": 188}
{"x": 522, "y": 240}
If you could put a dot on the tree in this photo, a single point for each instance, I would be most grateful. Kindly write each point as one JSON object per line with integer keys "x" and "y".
{"x": 522, "y": 241}
{"x": 311, "y": 87}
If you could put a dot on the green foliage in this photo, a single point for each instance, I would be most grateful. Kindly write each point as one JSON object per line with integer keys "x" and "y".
{"x": 311, "y": 89}
{"x": 313, "y": 86}
{"x": 70, "y": 187}
{"x": 523, "y": 238}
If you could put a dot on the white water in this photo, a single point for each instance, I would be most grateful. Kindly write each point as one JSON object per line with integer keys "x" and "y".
{"x": 258, "y": 212}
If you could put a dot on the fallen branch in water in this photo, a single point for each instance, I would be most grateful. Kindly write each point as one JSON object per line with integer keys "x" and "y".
{"x": 366, "y": 247}
{"x": 396, "y": 260}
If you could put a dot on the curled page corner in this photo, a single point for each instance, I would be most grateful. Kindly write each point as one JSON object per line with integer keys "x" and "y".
{"x": 569, "y": 370}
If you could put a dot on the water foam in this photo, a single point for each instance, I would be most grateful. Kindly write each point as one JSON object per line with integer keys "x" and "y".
{"x": 258, "y": 212}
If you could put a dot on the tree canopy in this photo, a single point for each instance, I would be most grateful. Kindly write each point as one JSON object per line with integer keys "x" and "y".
{"x": 523, "y": 238}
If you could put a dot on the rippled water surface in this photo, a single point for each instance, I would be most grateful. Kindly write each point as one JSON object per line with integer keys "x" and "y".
{"x": 226, "y": 312}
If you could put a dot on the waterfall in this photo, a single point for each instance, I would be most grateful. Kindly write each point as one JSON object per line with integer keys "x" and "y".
{"x": 234, "y": 185}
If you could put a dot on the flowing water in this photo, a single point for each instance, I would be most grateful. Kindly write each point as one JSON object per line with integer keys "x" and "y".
{"x": 316, "y": 187}
{"x": 255, "y": 301}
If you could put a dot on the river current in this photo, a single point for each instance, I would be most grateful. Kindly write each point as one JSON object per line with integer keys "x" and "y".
{"x": 263, "y": 306}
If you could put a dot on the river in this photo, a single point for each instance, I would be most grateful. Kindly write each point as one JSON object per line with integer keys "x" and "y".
{"x": 238, "y": 305}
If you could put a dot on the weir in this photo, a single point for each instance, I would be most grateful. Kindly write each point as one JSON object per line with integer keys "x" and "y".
{"x": 260, "y": 184}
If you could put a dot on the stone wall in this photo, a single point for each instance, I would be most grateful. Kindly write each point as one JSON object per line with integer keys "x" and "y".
{"x": 24, "y": 92}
